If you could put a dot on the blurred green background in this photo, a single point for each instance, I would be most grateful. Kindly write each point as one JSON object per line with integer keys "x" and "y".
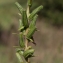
{"x": 49, "y": 39}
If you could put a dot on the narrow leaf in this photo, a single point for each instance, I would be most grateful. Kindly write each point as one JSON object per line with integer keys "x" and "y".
{"x": 19, "y": 57}
{"x": 21, "y": 41}
{"x": 28, "y": 53}
{"x": 19, "y": 7}
{"x": 24, "y": 19}
{"x": 34, "y": 12}
{"x": 31, "y": 32}
{"x": 21, "y": 27}
{"x": 33, "y": 22}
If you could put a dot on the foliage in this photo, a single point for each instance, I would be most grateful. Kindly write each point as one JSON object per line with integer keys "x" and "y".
{"x": 51, "y": 8}
{"x": 26, "y": 30}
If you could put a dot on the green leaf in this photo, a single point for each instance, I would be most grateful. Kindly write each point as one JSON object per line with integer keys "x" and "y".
{"x": 20, "y": 51}
{"x": 31, "y": 32}
{"x": 34, "y": 12}
{"x": 19, "y": 57}
{"x": 21, "y": 27}
{"x": 33, "y": 22}
{"x": 28, "y": 53}
{"x": 19, "y": 7}
{"x": 24, "y": 19}
{"x": 21, "y": 41}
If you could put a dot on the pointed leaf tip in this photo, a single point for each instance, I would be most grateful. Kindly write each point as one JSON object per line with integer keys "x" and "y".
{"x": 35, "y": 11}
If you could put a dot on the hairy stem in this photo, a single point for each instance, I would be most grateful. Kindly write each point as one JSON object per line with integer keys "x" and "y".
{"x": 26, "y": 41}
{"x": 26, "y": 44}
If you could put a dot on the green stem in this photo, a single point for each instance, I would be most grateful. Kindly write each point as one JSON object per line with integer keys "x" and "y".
{"x": 28, "y": 11}
{"x": 26, "y": 41}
